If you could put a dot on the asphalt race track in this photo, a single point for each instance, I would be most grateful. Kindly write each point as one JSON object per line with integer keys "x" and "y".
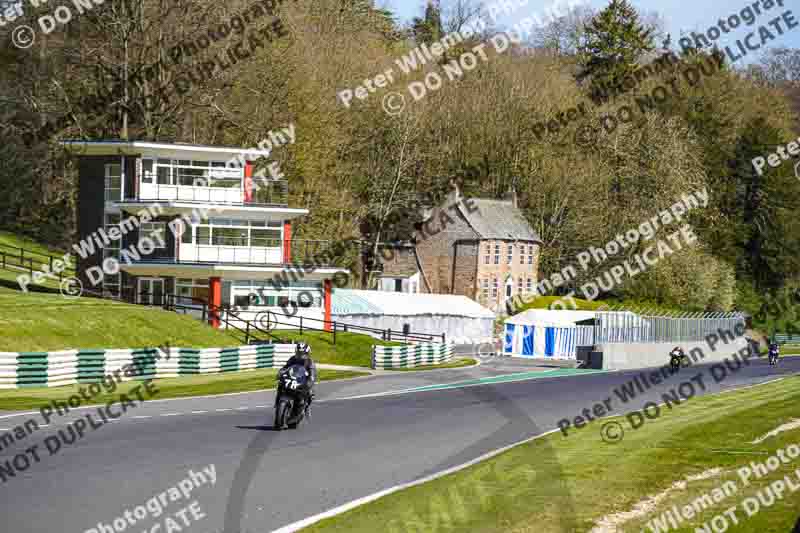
{"x": 351, "y": 448}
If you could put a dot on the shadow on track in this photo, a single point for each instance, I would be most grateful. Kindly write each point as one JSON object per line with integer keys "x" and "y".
{"x": 518, "y": 426}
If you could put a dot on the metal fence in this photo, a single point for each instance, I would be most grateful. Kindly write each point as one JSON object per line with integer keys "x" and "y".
{"x": 629, "y": 327}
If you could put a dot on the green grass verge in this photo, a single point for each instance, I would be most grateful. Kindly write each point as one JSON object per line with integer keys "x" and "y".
{"x": 182, "y": 387}
{"x": 351, "y": 349}
{"x": 18, "y": 241}
{"x": 456, "y": 363}
{"x": 533, "y": 486}
{"x": 47, "y": 322}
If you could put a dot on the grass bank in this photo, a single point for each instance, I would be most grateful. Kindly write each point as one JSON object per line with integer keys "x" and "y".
{"x": 48, "y": 322}
{"x": 351, "y": 349}
{"x": 461, "y": 362}
{"x": 183, "y": 387}
{"x": 572, "y": 482}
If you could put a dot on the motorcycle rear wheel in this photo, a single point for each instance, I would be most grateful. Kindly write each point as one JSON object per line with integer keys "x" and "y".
{"x": 282, "y": 413}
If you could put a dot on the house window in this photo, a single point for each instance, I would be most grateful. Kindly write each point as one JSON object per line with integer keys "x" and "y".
{"x": 111, "y": 282}
{"x": 197, "y": 173}
{"x": 488, "y": 254}
{"x": 485, "y": 288}
{"x": 186, "y": 236}
{"x": 510, "y": 252}
{"x": 256, "y": 294}
{"x": 239, "y": 233}
{"x": 530, "y": 254}
{"x": 519, "y": 285}
{"x": 529, "y": 286}
{"x": 113, "y": 183}
{"x": 496, "y": 254}
{"x": 398, "y": 285}
{"x": 191, "y": 290}
{"x": 521, "y": 254}
{"x": 494, "y": 287}
{"x": 147, "y": 171}
{"x": 156, "y": 231}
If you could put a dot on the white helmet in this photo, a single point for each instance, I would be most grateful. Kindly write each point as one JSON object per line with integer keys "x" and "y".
{"x": 304, "y": 348}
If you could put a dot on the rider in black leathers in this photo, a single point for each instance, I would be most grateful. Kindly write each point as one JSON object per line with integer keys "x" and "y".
{"x": 774, "y": 348}
{"x": 677, "y": 353}
{"x": 302, "y": 356}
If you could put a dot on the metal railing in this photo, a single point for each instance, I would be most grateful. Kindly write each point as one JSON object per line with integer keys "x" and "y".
{"x": 630, "y": 327}
{"x": 270, "y": 319}
{"x": 266, "y": 193}
{"x": 16, "y": 258}
{"x": 263, "y": 322}
{"x": 303, "y": 252}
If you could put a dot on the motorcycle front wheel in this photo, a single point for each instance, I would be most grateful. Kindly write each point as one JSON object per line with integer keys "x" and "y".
{"x": 282, "y": 413}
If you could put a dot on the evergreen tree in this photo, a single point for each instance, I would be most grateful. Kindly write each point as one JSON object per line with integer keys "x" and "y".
{"x": 767, "y": 230}
{"x": 613, "y": 42}
{"x": 428, "y": 29}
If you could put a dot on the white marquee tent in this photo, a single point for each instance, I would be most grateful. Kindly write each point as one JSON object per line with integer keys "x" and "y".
{"x": 458, "y": 317}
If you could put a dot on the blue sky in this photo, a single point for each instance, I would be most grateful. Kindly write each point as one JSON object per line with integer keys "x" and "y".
{"x": 679, "y": 15}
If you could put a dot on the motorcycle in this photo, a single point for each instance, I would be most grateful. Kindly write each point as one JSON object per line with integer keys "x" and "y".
{"x": 773, "y": 356}
{"x": 290, "y": 399}
{"x": 675, "y": 360}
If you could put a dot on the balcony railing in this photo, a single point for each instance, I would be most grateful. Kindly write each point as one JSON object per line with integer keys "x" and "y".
{"x": 271, "y": 253}
{"x": 266, "y": 192}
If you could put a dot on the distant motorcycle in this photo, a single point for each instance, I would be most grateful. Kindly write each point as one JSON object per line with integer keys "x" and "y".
{"x": 291, "y": 399}
{"x": 676, "y": 357}
{"x": 774, "y": 352}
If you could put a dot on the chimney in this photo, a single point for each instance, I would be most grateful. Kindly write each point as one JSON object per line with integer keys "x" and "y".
{"x": 455, "y": 194}
{"x": 511, "y": 196}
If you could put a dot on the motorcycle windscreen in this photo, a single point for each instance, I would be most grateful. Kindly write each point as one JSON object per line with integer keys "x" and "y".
{"x": 299, "y": 373}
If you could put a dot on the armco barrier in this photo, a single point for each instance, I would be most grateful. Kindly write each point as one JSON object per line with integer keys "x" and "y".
{"x": 411, "y": 355}
{"x": 53, "y": 369}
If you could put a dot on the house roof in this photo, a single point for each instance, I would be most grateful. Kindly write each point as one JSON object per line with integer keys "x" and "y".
{"x": 498, "y": 219}
{"x": 117, "y": 146}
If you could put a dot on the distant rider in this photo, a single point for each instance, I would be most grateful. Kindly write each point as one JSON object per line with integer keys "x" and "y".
{"x": 774, "y": 348}
{"x": 677, "y": 353}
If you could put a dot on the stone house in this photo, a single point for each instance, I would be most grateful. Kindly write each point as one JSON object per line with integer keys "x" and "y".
{"x": 480, "y": 248}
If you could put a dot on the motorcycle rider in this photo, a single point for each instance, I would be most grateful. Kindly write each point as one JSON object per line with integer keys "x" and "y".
{"x": 302, "y": 356}
{"x": 677, "y": 353}
{"x": 774, "y": 348}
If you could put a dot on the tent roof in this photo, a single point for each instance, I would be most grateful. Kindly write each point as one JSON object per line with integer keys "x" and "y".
{"x": 548, "y": 317}
{"x": 355, "y": 302}
{"x": 542, "y": 317}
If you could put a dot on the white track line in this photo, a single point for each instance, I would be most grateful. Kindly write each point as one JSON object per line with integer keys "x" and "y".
{"x": 296, "y": 526}
{"x": 523, "y": 376}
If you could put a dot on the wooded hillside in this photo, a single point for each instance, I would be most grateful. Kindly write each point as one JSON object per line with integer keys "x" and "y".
{"x": 138, "y": 69}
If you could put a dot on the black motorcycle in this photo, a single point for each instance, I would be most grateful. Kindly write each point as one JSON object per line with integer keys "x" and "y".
{"x": 675, "y": 360}
{"x": 291, "y": 399}
{"x": 773, "y": 355}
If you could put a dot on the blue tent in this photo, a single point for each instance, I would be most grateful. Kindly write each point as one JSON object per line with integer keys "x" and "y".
{"x": 544, "y": 333}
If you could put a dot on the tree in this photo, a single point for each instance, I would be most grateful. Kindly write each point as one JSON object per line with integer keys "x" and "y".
{"x": 613, "y": 42}
{"x": 563, "y": 35}
{"x": 768, "y": 234}
{"x": 429, "y": 28}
